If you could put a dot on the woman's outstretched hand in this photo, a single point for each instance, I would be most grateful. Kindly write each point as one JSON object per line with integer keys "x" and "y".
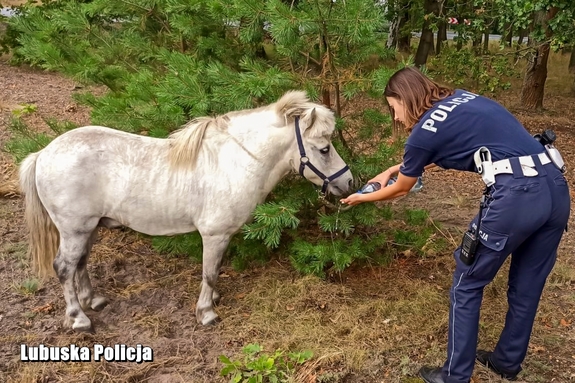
{"x": 354, "y": 199}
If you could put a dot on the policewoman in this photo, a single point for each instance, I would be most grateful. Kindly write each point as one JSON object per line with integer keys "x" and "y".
{"x": 523, "y": 211}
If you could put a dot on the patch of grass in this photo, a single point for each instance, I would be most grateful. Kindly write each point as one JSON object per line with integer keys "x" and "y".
{"x": 28, "y": 286}
{"x": 554, "y": 341}
{"x": 458, "y": 201}
{"x": 386, "y": 212}
{"x": 158, "y": 325}
{"x": 332, "y": 377}
{"x": 417, "y": 217}
{"x": 415, "y": 232}
{"x": 406, "y": 238}
{"x": 561, "y": 275}
{"x": 24, "y": 109}
{"x": 394, "y": 318}
{"x": 538, "y": 371}
{"x": 15, "y": 250}
{"x": 436, "y": 245}
{"x": 410, "y": 380}
{"x": 559, "y": 76}
{"x": 414, "y": 240}
{"x": 26, "y": 140}
{"x": 135, "y": 288}
{"x": 258, "y": 366}
{"x": 29, "y": 314}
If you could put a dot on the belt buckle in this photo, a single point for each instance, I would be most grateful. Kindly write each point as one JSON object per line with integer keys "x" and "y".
{"x": 528, "y": 171}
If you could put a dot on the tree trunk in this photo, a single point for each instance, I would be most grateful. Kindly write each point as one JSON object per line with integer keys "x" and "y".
{"x": 395, "y": 39}
{"x": 477, "y": 43}
{"x": 536, "y": 74}
{"x": 404, "y": 43}
{"x": 426, "y": 41}
{"x": 507, "y": 34}
{"x": 459, "y": 44}
{"x": 572, "y": 61}
{"x": 441, "y": 35}
{"x": 326, "y": 97}
{"x": 393, "y": 35}
{"x": 486, "y": 41}
{"x": 522, "y": 35}
{"x": 404, "y": 39}
{"x": 425, "y": 45}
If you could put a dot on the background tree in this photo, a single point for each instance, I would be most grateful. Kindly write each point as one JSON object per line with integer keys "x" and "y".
{"x": 431, "y": 8}
{"x": 398, "y": 13}
{"x": 548, "y": 25}
{"x": 536, "y": 72}
{"x": 167, "y": 61}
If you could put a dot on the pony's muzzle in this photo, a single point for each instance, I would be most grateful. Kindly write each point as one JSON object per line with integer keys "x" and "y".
{"x": 342, "y": 186}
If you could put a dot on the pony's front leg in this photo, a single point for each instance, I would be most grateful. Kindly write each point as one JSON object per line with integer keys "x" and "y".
{"x": 213, "y": 250}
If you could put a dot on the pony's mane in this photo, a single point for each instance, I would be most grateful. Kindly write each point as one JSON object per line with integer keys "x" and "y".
{"x": 186, "y": 142}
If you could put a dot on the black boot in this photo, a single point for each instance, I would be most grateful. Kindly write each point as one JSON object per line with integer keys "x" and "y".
{"x": 431, "y": 375}
{"x": 484, "y": 357}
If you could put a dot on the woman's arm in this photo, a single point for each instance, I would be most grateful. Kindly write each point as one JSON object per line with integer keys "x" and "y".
{"x": 397, "y": 189}
{"x": 383, "y": 177}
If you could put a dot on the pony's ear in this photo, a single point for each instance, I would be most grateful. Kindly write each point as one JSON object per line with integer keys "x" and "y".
{"x": 291, "y": 104}
{"x": 312, "y": 117}
{"x": 309, "y": 119}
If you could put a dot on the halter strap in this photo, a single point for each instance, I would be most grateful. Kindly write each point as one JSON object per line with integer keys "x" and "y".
{"x": 304, "y": 161}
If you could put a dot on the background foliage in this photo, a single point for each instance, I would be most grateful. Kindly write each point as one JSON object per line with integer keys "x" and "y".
{"x": 163, "y": 62}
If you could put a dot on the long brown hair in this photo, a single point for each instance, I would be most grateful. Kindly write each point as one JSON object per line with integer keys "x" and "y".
{"x": 417, "y": 93}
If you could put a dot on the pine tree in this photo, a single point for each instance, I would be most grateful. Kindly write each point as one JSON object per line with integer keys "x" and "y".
{"x": 167, "y": 61}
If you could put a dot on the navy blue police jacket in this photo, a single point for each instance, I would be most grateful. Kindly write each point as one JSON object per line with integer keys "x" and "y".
{"x": 451, "y": 131}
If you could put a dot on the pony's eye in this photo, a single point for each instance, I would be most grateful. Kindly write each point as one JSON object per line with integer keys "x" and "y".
{"x": 324, "y": 150}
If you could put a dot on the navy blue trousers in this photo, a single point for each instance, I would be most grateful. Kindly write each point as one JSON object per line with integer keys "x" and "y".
{"x": 525, "y": 217}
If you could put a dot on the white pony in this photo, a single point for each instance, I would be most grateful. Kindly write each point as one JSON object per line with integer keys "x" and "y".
{"x": 208, "y": 176}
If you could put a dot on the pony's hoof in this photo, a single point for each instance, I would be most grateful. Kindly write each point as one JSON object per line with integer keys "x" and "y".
{"x": 68, "y": 322}
{"x": 213, "y": 321}
{"x": 98, "y": 303}
{"x": 209, "y": 319}
{"x": 88, "y": 330}
{"x": 83, "y": 325}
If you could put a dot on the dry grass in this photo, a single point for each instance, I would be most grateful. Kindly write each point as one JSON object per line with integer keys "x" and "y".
{"x": 79, "y": 372}
{"x": 9, "y": 187}
{"x": 12, "y": 3}
{"x": 337, "y": 322}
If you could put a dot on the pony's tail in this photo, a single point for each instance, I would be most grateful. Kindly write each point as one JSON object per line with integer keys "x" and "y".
{"x": 44, "y": 237}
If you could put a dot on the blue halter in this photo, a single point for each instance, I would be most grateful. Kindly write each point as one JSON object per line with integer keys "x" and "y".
{"x": 304, "y": 161}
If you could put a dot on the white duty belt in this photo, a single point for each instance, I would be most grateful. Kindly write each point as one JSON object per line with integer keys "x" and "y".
{"x": 527, "y": 165}
{"x": 489, "y": 170}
